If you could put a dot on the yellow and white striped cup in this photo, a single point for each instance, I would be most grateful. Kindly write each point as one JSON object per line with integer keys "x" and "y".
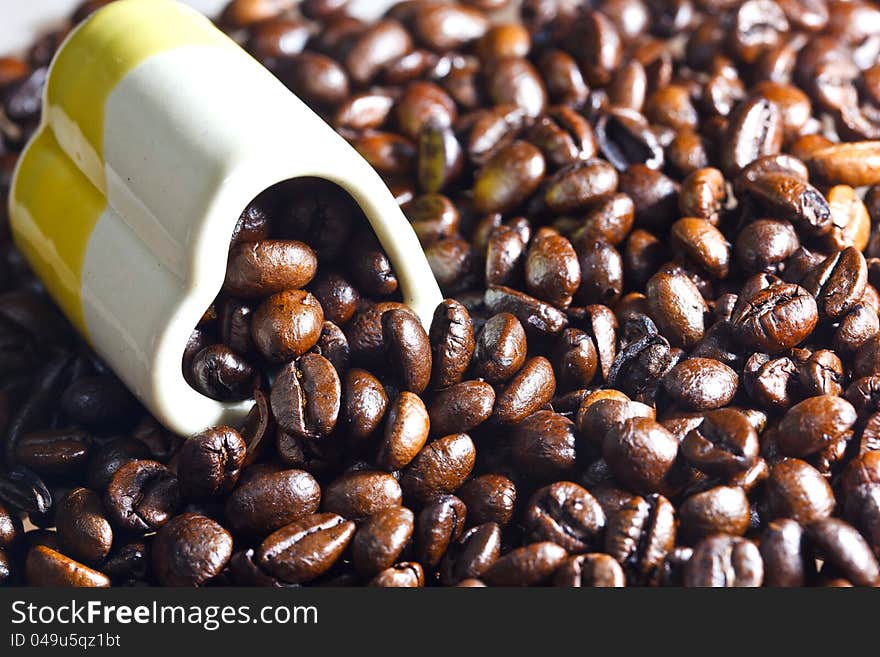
{"x": 157, "y": 130}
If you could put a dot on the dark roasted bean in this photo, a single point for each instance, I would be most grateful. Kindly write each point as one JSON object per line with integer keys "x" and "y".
{"x": 269, "y": 499}
{"x": 306, "y": 548}
{"x": 724, "y": 561}
{"x": 190, "y": 550}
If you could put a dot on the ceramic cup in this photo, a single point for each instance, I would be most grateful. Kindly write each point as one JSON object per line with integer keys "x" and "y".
{"x": 157, "y": 131}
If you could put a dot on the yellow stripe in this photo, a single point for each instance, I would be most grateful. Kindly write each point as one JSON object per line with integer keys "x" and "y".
{"x": 52, "y": 186}
{"x": 53, "y": 206}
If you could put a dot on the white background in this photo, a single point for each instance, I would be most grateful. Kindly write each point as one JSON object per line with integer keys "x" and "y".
{"x": 21, "y": 20}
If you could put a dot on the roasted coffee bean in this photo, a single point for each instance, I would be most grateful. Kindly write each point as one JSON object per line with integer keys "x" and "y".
{"x": 595, "y": 418}
{"x": 452, "y": 343}
{"x": 84, "y": 532}
{"x": 439, "y": 524}
{"x": 337, "y": 295}
{"x": 477, "y": 549}
{"x": 408, "y": 349}
{"x": 489, "y": 498}
{"x": 641, "y": 453}
{"x": 408, "y": 574}
{"x": 364, "y": 403}
{"x": 530, "y": 388}
{"x": 724, "y": 561}
{"x": 440, "y": 467}
{"x": 640, "y": 534}
{"x": 210, "y": 462}
{"x": 461, "y": 407}
{"x": 783, "y": 551}
{"x": 601, "y": 273}
{"x": 315, "y": 78}
{"x": 221, "y": 374}
{"x": 564, "y": 136}
{"x": 796, "y": 490}
{"x": 775, "y": 318}
{"x": 813, "y": 424}
{"x": 566, "y": 514}
{"x": 380, "y": 539}
{"x": 10, "y": 529}
{"x": 580, "y": 185}
{"x": 590, "y": 570}
{"x": 190, "y": 550}
{"x": 258, "y": 269}
{"x": 142, "y": 496}
{"x": 764, "y": 244}
{"x": 53, "y": 452}
{"x": 306, "y": 397}
{"x": 789, "y": 197}
{"x": 595, "y": 43}
{"x": 756, "y": 130}
{"x": 678, "y": 307}
{"x": 287, "y": 325}
{"x": 552, "y": 270}
{"x": 407, "y": 425}
{"x": 47, "y": 567}
{"x": 514, "y": 81}
{"x": 723, "y": 443}
{"x": 544, "y": 445}
{"x": 701, "y": 384}
{"x": 719, "y": 510}
{"x": 854, "y": 164}
{"x": 306, "y": 548}
{"x": 360, "y": 494}
{"x": 99, "y": 402}
{"x": 843, "y": 549}
{"x": 838, "y": 283}
{"x": 703, "y": 194}
{"x": 509, "y": 177}
{"x": 500, "y": 349}
{"x": 269, "y": 499}
{"x": 626, "y": 139}
{"x": 526, "y": 566}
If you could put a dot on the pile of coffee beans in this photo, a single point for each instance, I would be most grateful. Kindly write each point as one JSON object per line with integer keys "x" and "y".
{"x": 657, "y": 226}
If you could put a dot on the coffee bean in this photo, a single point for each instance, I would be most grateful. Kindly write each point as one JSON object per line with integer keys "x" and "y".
{"x": 439, "y": 524}
{"x": 719, "y": 510}
{"x": 526, "y": 566}
{"x": 364, "y": 403}
{"x": 452, "y": 343}
{"x": 84, "y": 532}
{"x": 440, "y": 467}
{"x": 678, "y": 308}
{"x": 287, "y": 325}
{"x": 306, "y": 548}
{"x": 190, "y": 550}
{"x": 775, "y": 318}
{"x": 47, "y": 567}
{"x": 489, "y": 498}
{"x": 844, "y": 549}
{"x": 701, "y": 384}
{"x": 854, "y": 164}
{"x": 210, "y": 462}
{"x": 724, "y": 561}
{"x": 361, "y": 494}
{"x": 461, "y": 407}
{"x": 640, "y": 534}
{"x": 798, "y": 491}
{"x": 590, "y": 570}
{"x": 408, "y": 349}
{"x": 380, "y": 540}
{"x": 566, "y": 514}
{"x": 535, "y": 315}
{"x": 838, "y": 283}
{"x": 477, "y": 549}
{"x": 509, "y": 177}
{"x": 306, "y": 397}
{"x": 406, "y": 430}
{"x": 543, "y": 444}
{"x": 142, "y": 496}
{"x": 813, "y": 424}
{"x": 723, "y": 443}
{"x": 784, "y": 554}
{"x": 54, "y": 452}
{"x": 270, "y": 499}
{"x": 640, "y": 452}
{"x": 530, "y": 388}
